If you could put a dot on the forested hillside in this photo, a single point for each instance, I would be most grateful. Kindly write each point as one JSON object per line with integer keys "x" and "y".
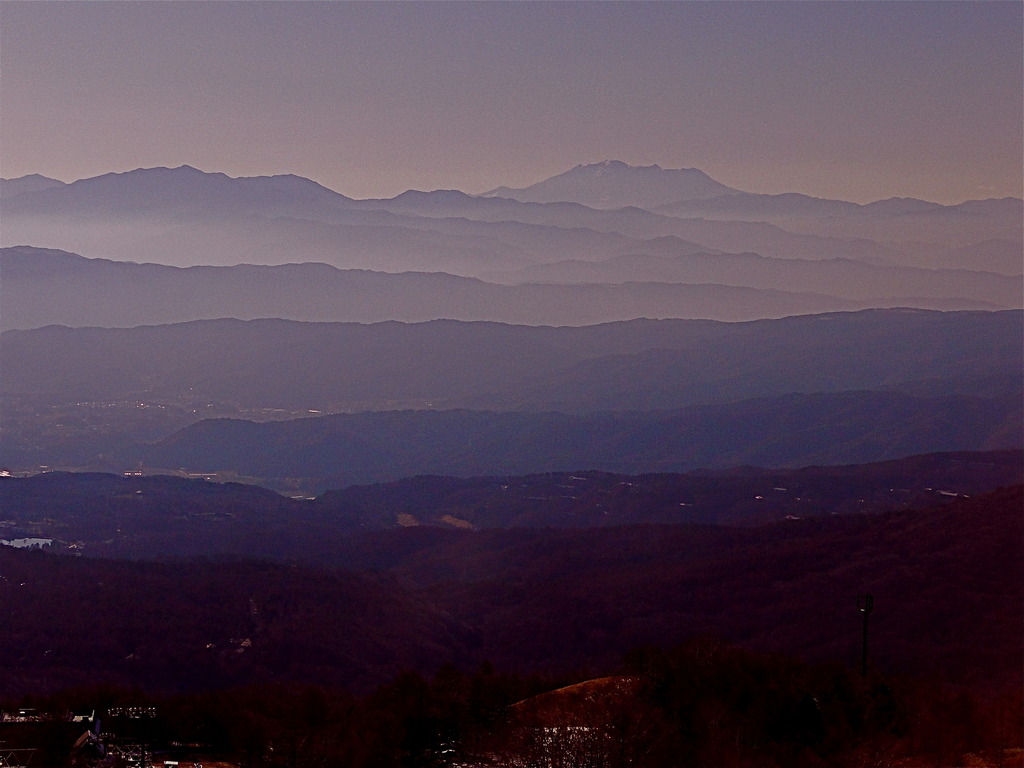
{"x": 530, "y": 600}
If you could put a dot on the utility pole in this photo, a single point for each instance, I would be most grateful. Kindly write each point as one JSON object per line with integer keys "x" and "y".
{"x": 865, "y": 603}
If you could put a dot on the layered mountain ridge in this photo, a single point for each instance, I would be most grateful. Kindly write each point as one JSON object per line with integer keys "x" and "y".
{"x": 527, "y": 431}
{"x": 471, "y": 398}
{"x": 45, "y": 287}
{"x": 183, "y": 216}
{"x": 614, "y": 184}
{"x": 512, "y": 313}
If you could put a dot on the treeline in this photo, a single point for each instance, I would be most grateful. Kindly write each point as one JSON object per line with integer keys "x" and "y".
{"x": 700, "y": 704}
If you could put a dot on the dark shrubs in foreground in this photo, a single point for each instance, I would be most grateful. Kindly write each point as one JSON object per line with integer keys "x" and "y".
{"x": 703, "y": 703}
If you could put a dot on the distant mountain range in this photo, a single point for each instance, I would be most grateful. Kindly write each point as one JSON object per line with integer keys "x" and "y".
{"x": 641, "y": 364}
{"x": 183, "y": 216}
{"x": 872, "y": 283}
{"x": 32, "y": 183}
{"x": 818, "y": 389}
{"x": 167, "y": 191}
{"x": 614, "y": 184}
{"x": 517, "y": 313}
{"x": 44, "y": 287}
{"x": 537, "y": 428}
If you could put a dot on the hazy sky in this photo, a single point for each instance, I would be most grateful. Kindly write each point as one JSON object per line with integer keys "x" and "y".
{"x": 855, "y": 100}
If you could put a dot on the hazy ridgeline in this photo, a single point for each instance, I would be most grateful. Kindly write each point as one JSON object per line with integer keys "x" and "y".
{"x": 386, "y": 400}
{"x": 616, "y": 410}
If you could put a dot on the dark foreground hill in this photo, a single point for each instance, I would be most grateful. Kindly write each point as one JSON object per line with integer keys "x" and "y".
{"x": 534, "y": 599}
{"x": 738, "y": 496}
{"x": 789, "y": 587}
{"x": 148, "y": 517}
{"x": 188, "y": 626}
